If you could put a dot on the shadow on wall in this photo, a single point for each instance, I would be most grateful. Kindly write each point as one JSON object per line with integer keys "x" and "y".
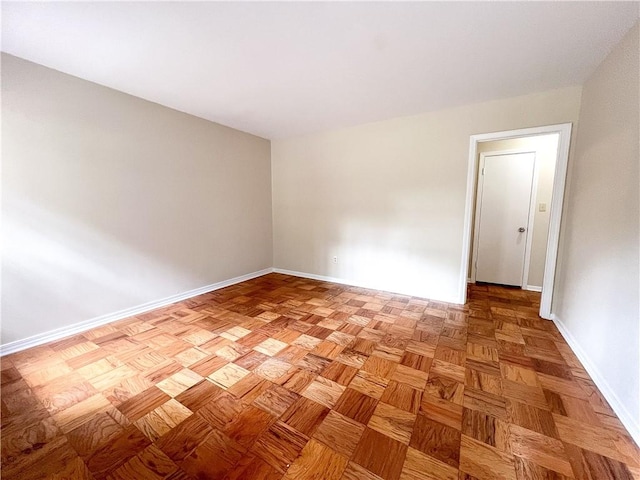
{"x": 394, "y": 250}
{"x": 53, "y": 265}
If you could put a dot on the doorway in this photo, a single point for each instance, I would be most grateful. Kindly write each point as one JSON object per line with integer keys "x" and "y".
{"x": 545, "y": 262}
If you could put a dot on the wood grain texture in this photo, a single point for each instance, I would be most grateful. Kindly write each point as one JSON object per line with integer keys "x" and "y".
{"x": 282, "y": 377}
{"x": 340, "y": 433}
{"x": 356, "y": 405}
{"x": 305, "y": 415}
{"x": 485, "y": 462}
{"x": 317, "y": 462}
{"x": 540, "y": 449}
{"x": 442, "y": 411}
{"x": 419, "y": 466}
{"x": 437, "y": 440}
{"x": 340, "y": 373}
{"x": 279, "y": 446}
{"x": 369, "y": 384}
{"x": 358, "y": 472}
{"x": 486, "y": 429}
{"x": 367, "y": 454}
{"x": 410, "y": 376}
{"x": 324, "y": 391}
{"x": 276, "y": 400}
{"x": 402, "y": 396}
{"x": 393, "y": 422}
{"x": 216, "y": 446}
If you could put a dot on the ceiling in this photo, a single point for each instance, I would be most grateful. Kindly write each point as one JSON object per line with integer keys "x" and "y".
{"x": 284, "y": 69}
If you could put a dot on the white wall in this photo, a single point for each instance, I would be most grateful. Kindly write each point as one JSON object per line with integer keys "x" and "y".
{"x": 388, "y": 198}
{"x": 597, "y": 289}
{"x": 546, "y": 149}
{"x": 110, "y": 201}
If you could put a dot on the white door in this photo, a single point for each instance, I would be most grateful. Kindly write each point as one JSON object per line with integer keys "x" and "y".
{"x": 504, "y": 198}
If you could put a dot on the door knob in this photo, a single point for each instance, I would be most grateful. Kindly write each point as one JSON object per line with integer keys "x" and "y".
{"x": 521, "y": 229}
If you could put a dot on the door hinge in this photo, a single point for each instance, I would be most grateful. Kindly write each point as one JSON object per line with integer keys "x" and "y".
{"x": 482, "y": 171}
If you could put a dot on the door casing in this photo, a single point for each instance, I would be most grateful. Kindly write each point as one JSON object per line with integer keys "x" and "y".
{"x": 559, "y": 180}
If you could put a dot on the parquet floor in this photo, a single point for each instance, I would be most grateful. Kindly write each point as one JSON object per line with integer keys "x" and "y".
{"x": 288, "y": 378}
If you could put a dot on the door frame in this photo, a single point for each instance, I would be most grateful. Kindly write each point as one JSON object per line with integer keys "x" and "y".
{"x": 530, "y": 216}
{"x": 555, "y": 214}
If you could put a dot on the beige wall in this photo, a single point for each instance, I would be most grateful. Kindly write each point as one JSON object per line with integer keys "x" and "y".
{"x": 546, "y": 149}
{"x": 597, "y": 289}
{"x": 388, "y": 198}
{"x": 110, "y": 201}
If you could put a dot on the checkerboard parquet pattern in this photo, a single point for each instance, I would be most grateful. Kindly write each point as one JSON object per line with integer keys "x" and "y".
{"x": 287, "y": 378}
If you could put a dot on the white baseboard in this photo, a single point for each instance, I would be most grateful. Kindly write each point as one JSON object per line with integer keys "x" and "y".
{"x": 353, "y": 283}
{"x": 631, "y": 424}
{"x": 83, "y": 326}
{"x": 532, "y": 288}
{"x": 322, "y": 278}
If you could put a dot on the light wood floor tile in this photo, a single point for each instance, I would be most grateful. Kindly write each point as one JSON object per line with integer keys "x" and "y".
{"x": 540, "y": 449}
{"x": 270, "y": 347}
{"x": 601, "y": 440}
{"x": 307, "y": 342}
{"x": 442, "y": 411}
{"x": 393, "y": 422}
{"x": 379, "y": 367}
{"x": 448, "y": 370}
{"x": 410, "y": 376}
{"x": 484, "y": 462}
{"x": 274, "y": 370}
{"x": 419, "y": 466}
{"x": 340, "y": 433}
{"x": 369, "y": 384}
{"x": 76, "y": 415}
{"x": 445, "y": 388}
{"x": 228, "y": 375}
{"x": 352, "y": 358}
{"x": 324, "y": 391}
{"x": 179, "y": 382}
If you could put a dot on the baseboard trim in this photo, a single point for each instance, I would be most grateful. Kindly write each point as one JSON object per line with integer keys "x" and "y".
{"x": 351, "y": 283}
{"x": 322, "y": 278}
{"x": 532, "y": 288}
{"x": 83, "y": 326}
{"x": 631, "y": 424}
